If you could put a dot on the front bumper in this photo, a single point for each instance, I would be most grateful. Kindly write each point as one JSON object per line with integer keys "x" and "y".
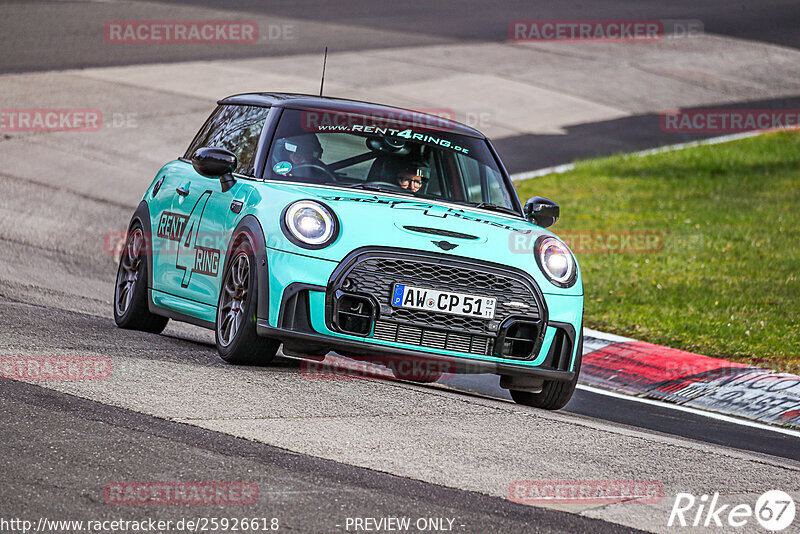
{"x": 372, "y": 351}
{"x": 302, "y": 307}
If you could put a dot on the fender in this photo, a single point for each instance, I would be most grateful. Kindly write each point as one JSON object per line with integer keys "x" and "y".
{"x": 250, "y": 228}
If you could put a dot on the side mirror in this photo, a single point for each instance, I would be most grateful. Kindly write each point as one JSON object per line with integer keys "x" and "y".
{"x": 215, "y": 162}
{"x": 542, "y": 211}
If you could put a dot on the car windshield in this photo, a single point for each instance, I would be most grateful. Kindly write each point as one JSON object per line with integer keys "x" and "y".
{"x": 411, "y": 157}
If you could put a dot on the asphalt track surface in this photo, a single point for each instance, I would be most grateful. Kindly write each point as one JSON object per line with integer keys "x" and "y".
{"x": 319, "y": 451}
{"x": 58, "y": 35}
{"x": 304, "y": 493}
{"x": 41, "y": 36}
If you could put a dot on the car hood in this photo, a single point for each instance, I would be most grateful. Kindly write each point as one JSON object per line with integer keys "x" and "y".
{"x": 369, "y": 218}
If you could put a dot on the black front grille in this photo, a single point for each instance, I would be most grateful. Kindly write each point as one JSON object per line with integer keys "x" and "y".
{"x": 376, "y": 273}
{"x": 376, "y": 276}
{"x": 435, "y": 339}
{"x": 450, "y": 322}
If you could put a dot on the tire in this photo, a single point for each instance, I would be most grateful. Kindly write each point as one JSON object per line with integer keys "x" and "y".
{"x": 131, "y": 309}
{"x": 235, "y": 328}
{"x": 555, "y": 394}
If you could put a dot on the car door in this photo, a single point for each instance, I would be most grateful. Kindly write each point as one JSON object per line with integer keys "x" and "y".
{"x": 202, "y": 216}
{"x": 177, "y": 198}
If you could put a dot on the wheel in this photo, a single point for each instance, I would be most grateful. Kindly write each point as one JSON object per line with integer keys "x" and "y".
{"x": 555, "y": 394}
{"x": 130, "y": 293}
{"x": 237, "y": 340}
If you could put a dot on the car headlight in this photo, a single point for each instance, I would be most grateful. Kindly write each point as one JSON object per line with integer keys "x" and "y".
{"x": 556, "y": 261}
{"x": 309, "y": 224}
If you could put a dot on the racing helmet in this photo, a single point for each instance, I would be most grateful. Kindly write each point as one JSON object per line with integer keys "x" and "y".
{"x": 307, "y": 144}
{"x": 389, "y": 146}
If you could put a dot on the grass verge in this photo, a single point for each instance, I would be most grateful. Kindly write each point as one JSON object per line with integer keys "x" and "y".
{"x": 697, "y": 249}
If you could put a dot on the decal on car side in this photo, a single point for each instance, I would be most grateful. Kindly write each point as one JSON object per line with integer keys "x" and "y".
{"x": 427, "y": 209}
{"x": 171, "y": 225}
{"x": 190, "y": 257}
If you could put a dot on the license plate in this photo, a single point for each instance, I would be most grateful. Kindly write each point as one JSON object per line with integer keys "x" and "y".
{"x": 419, "y": 298}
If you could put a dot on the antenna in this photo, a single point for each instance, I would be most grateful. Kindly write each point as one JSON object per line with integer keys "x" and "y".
{"x": 324, "y": 62}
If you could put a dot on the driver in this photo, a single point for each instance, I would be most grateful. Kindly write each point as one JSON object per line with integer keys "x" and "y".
{"x": 414, "y": 175}
{"x": 302, "y": 152}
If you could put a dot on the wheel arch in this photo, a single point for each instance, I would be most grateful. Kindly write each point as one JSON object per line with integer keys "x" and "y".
{"x": 249, "y": 228}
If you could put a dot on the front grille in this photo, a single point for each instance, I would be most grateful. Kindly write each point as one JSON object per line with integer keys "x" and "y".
{"x": 435, "y": 339}
{"x": 376, "y": 276}
{"x": 450, "y": 322}
{"x": 376, "y": 273}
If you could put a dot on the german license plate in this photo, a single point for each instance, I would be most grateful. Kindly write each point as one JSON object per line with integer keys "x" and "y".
{"x": 432, "y": 300}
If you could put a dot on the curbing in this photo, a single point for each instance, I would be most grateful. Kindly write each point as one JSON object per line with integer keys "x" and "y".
{"x": 687, "y": 379}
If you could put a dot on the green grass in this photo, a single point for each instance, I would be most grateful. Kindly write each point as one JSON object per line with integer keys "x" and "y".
{"x": 727, "y": 281}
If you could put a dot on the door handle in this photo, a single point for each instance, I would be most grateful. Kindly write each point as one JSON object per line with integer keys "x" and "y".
{"x": 182, "y": 191}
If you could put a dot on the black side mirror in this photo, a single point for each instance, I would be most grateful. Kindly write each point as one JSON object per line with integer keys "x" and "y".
{"x": 215, "y": 162}
{"x": 542, "y": 211}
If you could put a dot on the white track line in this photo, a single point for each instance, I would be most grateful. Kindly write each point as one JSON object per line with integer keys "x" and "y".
{"x": 611, "y": 338}
{"x": 695, "y": 411}
{"x": 559, "y": 169}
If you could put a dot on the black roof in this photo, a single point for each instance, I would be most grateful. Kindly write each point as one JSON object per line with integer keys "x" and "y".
{"x": 301, "y": 101}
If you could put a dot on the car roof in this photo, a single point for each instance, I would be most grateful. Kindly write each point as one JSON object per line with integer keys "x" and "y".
{"x": 302, "y": 101}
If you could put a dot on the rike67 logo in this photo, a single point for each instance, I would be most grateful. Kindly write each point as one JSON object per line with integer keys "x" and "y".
{"x": 774, "y": 511}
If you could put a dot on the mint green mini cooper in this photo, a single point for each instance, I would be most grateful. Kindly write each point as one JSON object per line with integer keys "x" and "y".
{"x": 383, "y": 234}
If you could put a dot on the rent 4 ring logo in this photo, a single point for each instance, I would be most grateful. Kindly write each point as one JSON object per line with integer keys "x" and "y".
{"x": 774, "y": 511}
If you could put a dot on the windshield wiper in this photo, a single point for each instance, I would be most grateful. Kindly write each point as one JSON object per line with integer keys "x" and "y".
{"x": 496, "y": 207}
